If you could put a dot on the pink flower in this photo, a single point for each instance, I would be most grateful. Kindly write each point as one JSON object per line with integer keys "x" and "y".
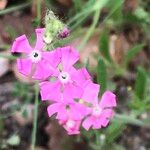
{"x": 101, "y": 112}
{"x": 71, "y": 126}
{"x": 73, "y": 110}
{"x": 69, "y": 115}
{"x": 36, "y": 63}
{"x": 68, "y": 80}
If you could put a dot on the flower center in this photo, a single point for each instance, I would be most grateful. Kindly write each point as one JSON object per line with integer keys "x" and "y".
{"x": 35, "y": 56}
{"x": 97, "y": 111}
{"x": 64, "y": 77}
{"x": 70, "y": 124}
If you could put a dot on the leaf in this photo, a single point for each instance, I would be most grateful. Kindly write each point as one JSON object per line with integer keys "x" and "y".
{"x": 132, "y": 52}
{"x": 115, "y": 8}
{"x": 114, "y": 130}
{"x": 14, "y": 140}
{"x": 140, "y": 83}
{"x": 87, "y": 63}
{"x": 104, "y": 46}
{"x": 14, "y": 8}
{"x": 78, "y": 5}
{"x": 128, "y": 119}
{"x": 102, "y": 75}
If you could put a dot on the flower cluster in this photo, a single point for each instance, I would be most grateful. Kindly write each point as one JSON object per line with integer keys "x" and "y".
{"x": 72, "y": 94}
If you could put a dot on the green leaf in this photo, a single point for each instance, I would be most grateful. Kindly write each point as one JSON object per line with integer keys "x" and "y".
{"x": 102, "y": 75}
{"x": 132, "y": 52}
{"x": 87, "y": 63}
{"x": 128, "y": 119}
{"x": 14, "y": 140}
{"x": 104, "y": 46}
{"x": 114, "y": 130}
{"x": 140, "y": 83}
{"x": 115, "y": 8}
{"x": 25, "y": 113}
{"x": 78, "y": 5}
{"x": 15, "y": 8}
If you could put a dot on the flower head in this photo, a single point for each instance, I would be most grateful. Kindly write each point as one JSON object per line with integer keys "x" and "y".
{"x": 101, "y": 112}
{"x": 71, "y": 126}
{"x": 69, "y": 115}
{"x": 36, "y": 62}
{"x": 66, "y": 85}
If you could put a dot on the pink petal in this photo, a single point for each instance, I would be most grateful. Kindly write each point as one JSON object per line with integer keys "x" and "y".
{"x": 72, "y": 91}
{"x": 77, "y": 111}
{"x": 43, "y": 70}
{"x": 87, "y": 123}
{"x": 62, "y": 113}
{"x": 53, "y": 57}
{"x": 69, "y": 57}
{"x": 108, "y": 100}
{"x": 104, "y": 118}
{"x": 103, "y": 121}
{"x": 52, "y": 109}
{"x": 97, "y": 123}
{"x": 75, "y": 129}
{"x": 21, "y": 45}
{"x": 39, "y": 39}
{"x": 24, "y": 66}
{"x": 108, "y": 113}
{"x": 91, "y": 92}
{"x": 81, "y": 77}
{"x": 50, "y": 91}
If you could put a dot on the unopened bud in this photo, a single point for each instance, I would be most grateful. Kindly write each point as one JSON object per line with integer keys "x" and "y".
{"x": 64, "y": 33}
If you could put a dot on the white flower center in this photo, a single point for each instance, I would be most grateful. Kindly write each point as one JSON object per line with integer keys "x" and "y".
{"x": 64, "y": 77}
{"x": 97, "y": 111}
{"x": 35, "y": 56}
{"x": 70, "y": 124}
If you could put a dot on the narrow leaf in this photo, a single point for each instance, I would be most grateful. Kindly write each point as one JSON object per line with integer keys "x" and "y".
{"x": 128, "y": 119}
{"x": 114, "y": 130}
{"x": 104, "y": 46}
{"x": 140, "y": 83}
{"x": 102, "y": 75}
{"x": 132, "y": 52}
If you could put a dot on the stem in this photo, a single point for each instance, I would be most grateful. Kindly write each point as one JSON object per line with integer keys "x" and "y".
{"x": 11, "y": 57}
{"x": 91, "y": 30}
{"x": 97, "y": 138}
{"x": 34, "y": 131}
{"x": 14, "y": 8}
{"x": 39, "y": 11}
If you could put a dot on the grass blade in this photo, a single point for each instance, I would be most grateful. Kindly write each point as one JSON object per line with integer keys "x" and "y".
{"x": 140, "y": 83}
{"x": 102, "y": 75}
{"x": 104, "y": 46}
{"x": 132, "y": 52}
{"x": 14, "y": 8}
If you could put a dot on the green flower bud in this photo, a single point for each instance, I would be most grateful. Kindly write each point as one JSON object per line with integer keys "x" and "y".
{"x": 53, "y": 26}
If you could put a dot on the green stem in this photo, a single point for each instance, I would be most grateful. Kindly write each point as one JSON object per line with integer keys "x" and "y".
{"x": 11, "y": 57}
{"x": 91, "y": 30}
{"x": 39, "y": 10}
{"x": 97, "y": 138}
{"x": 34, "y": 131}
{"x": 14, "y": 8}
